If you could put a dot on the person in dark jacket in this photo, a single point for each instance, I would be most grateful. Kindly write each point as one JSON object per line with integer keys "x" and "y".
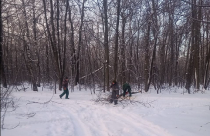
{"x": 126, "y": 88}
{"x": 115, "y": 92}
{"x": 65, "y": 88}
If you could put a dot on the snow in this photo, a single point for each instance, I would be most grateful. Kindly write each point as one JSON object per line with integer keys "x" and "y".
{"x": 171, "y": 113}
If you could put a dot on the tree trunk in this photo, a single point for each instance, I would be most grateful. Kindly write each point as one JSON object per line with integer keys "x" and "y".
{"x": 65, "y": 32}
{"x": 59, "y": 46}
{"x": 153, "y": 67}
{"x": 28, "y": 60}
{"x": 73, "y": 52}
{"x": 197, "y": 46}
{"x": 206, "y": 75}
{"x": 116, "y": 41}
{"x": 162, "y": 60}
{"x": 36, "y": 45}
{"x": 171, "y": 24}
{"x": 176, "y": 62}
{"x": 146, "y": 65}
{"x": 190, "y": 70}
{"x": 123, "y": 50}
{"x": 53, "y": 39}
{"x": 79, "y": 44}
{"x": 106, "y": 45}
{"x": 2, "y": 72}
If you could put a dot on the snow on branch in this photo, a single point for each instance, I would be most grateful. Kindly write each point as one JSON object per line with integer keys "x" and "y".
{"x": 208, "y": 22}
{"x": 92, "y": 73}
{"x": 196, "y": 4}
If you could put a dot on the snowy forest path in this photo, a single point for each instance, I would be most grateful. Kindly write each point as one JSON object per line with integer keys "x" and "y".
{"x": 79, "y": 116}
{"x": 108, "y": 119}
{"x": 43, "y": 113}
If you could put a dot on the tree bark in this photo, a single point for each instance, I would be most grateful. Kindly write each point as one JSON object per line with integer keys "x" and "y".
{"x": 146, "y": 65}
{"x": 206, "y": 75}
{"x": 59, "y": 45}
{"x": 106, "y": 45}
{"x": 79, "y": 44}
{"x": 2, "y": 72}
{"x": 65, "y": 32}
{"x": 171, "y": 24}
{"x": 73, "y": 52}
{"x": 28, "y": 60}
{"x": 123, "y": 49}
{"x": 116, "y": 41}
{"x": 190, "y": 71}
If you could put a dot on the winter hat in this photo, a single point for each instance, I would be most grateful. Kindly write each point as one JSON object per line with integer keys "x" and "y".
{"x": 114, "y": 81}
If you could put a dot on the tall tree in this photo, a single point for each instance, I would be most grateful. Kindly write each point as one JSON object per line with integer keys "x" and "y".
{"x": 207, "y": 60}
{"x": 36, "y": 44}
{"x": 116, "y": 41}
{"x": 72, "y": 43}
{"x": 27, "y": 55}
{"x": 155, "y": 30}
{"x": 193, "y": 67}
{"x": 2, "y": 75}
{"x": 124, "y": 18}
{"x": 146, "y": 61}
{"x": 172, "y": 43}
{"x": 106, "y": 45}
{"x": 79, "y": 43}
{"x": 53, "y": 42}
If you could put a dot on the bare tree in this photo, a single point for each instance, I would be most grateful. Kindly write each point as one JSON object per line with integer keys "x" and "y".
{"x": 193, "y": 68}
{"x": 106, "y": 45}
{"x": 27, "y": 56}
{"x": 2, "y": 75}
{"x": 79, "y": 43}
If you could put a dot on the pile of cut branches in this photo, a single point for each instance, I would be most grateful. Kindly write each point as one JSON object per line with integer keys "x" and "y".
{"x": 104, "y": 98}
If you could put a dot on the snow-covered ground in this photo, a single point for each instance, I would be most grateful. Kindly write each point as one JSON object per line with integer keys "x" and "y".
{"x": 170, "y": 114}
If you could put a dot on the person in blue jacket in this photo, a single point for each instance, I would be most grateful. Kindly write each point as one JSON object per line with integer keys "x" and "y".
{"x": 65, "y": 88}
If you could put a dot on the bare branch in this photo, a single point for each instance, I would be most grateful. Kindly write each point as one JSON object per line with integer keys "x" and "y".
{"x": 195, "y": 4}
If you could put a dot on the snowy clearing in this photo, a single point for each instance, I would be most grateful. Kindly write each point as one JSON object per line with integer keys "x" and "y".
{"x": 170, "y": 114}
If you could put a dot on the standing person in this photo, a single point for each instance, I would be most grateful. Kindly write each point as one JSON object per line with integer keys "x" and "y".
{"x": 115, "y": 92}
{"x": 126, "y": 88}
{"x": 65, "y": 88}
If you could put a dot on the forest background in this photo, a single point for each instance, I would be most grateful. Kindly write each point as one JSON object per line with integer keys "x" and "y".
{"x": 143, "y": 42}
